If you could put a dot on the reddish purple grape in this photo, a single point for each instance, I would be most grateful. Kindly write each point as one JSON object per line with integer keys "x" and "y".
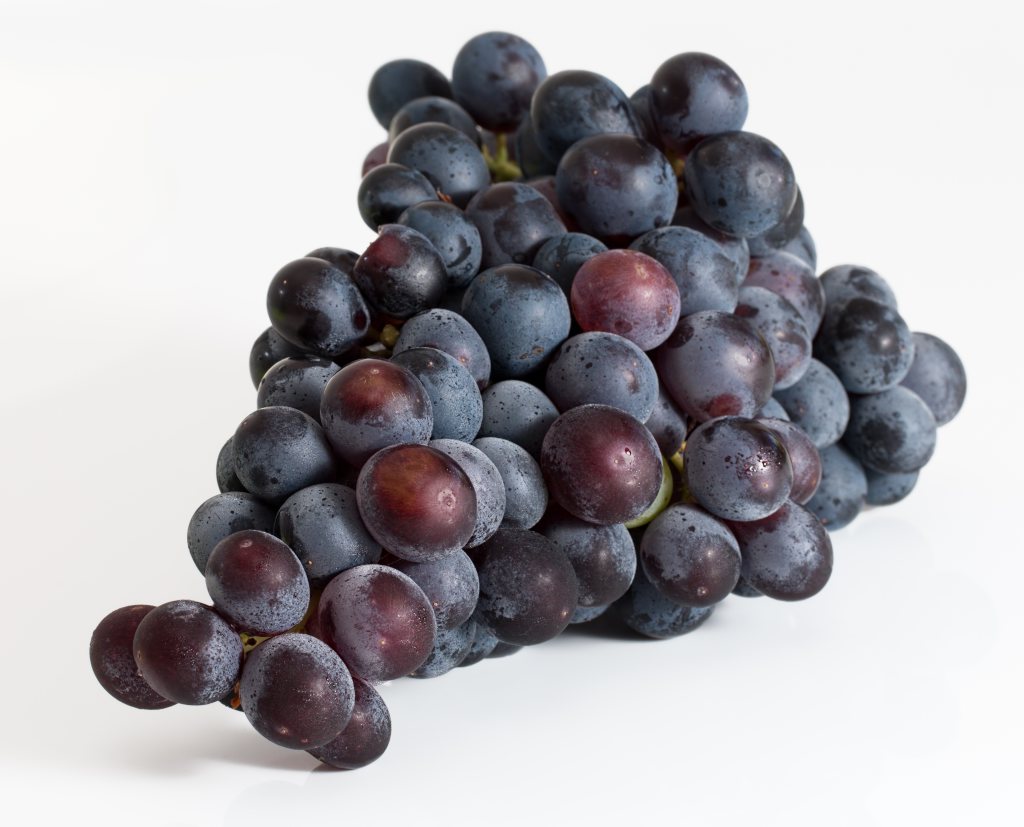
{"x": 400, "y": 273}
{"x": 378, "y": 620}
{"x": 803, "y": 456}
{"x": 365, "y": 737}
{"x": 375, "y": 157}
{"x": 629, "y": 293}
{"x": 416, "y": 502}
{"x": 113, "y": 663}
{"x": 601, "y": 465}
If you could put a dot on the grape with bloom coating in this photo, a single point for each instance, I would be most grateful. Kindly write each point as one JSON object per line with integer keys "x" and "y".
{"x": 113, "y": 662}
{"x": 366, "y": 736}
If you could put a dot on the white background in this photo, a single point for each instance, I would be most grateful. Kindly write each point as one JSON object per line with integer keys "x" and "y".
{"x": 160, "y": 161}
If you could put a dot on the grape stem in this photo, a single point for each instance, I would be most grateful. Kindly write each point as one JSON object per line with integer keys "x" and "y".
{"x": 501, "y": 166}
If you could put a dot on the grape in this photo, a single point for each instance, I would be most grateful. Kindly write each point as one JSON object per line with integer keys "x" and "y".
{"x": 454, "y": 396}
{"x": 227, "y": 479}
{"x": 782, "y": 328}
{"x": 572, "y": 105}
{"x": 601, "y": 465}
{"x": 370, "y": 404}
{"x": 366, "y": 736}
{"x": 450, "y": 161}
{"x": 736, "y": 249}
{"x": 705, "y": 274}
{"x": 451, "y": 585}
{"x": 223, "y": 515}
{"x": 648, "y": 612}
{"x": 494, "y": 77}
{"x": 842, "y": 491}
{"x": 400, "y": 273}
{"x": 667, "y": 424}
{"x": 803, "y": 248}
{"x": 603, "y": 556}
{"x": 520, "y": 313}
{"x": 487, "y": 485}
{"x": 378, "y": 620}
{"x": 605, "y": 369}
{"x": 937, "y": 376}
{"x": 514, "y": 220}
{"x": 399, "y": 81}
{"x": 433, "y": 109}
{"x": 297, "y": 692}
{"x": 803, "y": 457}
{"x": 866, "y": 344}
{"x": 737, "y": 469}
{"x": 450, "y": 332}
{"x": 280, "y": 450}
{"x": 113, "y": 663}
{"x": 321, "y": 524}
{"x": 345, "y": 260}
{"x": 788, "y": 555}
{"x": 519, "y": 412}
{"x": 739, "y": 183}
{"x": 416, "y": 502}
{"x": 526, "y": 496}
{"x": 389, "y": 190}
{"x": 269, "y": 348}
{"x": 257, "y": 583}
{"x": 187, "y": 653}
{"x": 850, "y": 281}
{"x": 296, "y": 382}
{"x": 772, "y": 409}
{"x": 528, "y": 588}
{"x": 374, "y": 158}
{"x": 817, "y": 403}
{"x": 450, "y": 648}
{"x": 528, "y": 155}
{"x": 892, "y": 431}
{"x": 886, "y": 489}
{"x": 786, "y": 231}
{"x": 716, "y": 364}
{"x": 616, "y": 187}
{"x": 562, "y": 256}
{"x": 793, "y": 279}
{"x": 453, "y": 235}
{"x": 628, "y": 293}
{"x": 640, "y": 100}
{"x": 315, "y": 306}
{"x": 484, "y": 643}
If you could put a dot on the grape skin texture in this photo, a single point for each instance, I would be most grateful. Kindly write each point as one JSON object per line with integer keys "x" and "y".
{"x": 399, "y": 81}
{"x": 222, "y": 515}
{"x": 843, "y": 489}
{"x": 450, "y": 332}
{"x": 803, "y": 457}
{"x": 366, "y": 736}
{"x": 786, "y": 231}
{"x": 648, "y": 612}
{"x": 455, "y": 398}
{"x": 886, "y": 489}
{"x": 400, "y": 273}
{"x": 817, "y": 403}
{"x": 449, "y": 160}
{"x": 450, "y": 647}
{"x": 892, "y": 431}
{"x": 451, "y": 585}
{"x": 794, "y": 280}
{"x": 514, "y": 221}
{"x": 484, "y": 643}
{"x": 487, "y": 484}
{"x": 562, "y": 256}
{"x": 667, "y": 424}
{"x": 389, "y": 190}
{"x": 453, "y": 235}
{"x": 851, "y": 281}
{"x": 113, "y": 662}
{"x": 519, "y": 412}
{"x": 296, "y": 382}
{"x": 269, "y": 348}
{"x": 297, "y": 692}
{"x": 737, "y": 250}
{"x": 782, "y": 328}
{"x": 433, "y": 109}
{"x": 227, "y": 480}
{"x": 526, "y": 495}
{"x": 937, "y": 376}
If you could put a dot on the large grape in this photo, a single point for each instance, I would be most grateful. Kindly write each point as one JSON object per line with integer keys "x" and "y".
{"x": 113, "y": 661}
{"x": 817, "y": 403}
{"x": 803, "y": 457}
{"x": 399, "y": 81}
{"x": 519, "y": 412}
{"x": 296, "y": 382}
{"x": 892, "y": 431}
{"x": 366, "y": 736}
{"x": 450, "y": 332}
{"x": 514, "y": 220}
{"x": 793, "y": 279}
{"x": 453, "y": 235}
{"x": 494, "y": 77}
{"x": 400, "y": 273}
{"x": 526, "y": 495}
{"x": 782, "y": 328}
{"x": 487, "y": 484}
{"x": 446, "y": 157}
{"x": 389, "y": 190}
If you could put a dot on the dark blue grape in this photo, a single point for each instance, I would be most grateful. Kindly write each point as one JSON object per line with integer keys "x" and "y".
{"x": 562, "y": 256}
{"x": 937, "y": 375}
{"x": 450, "y": 648}
{"x": 667, "y": 424}
{"x": 451, "y": 161}
{"x": 640, "y": 100}
{"x": 448, "y": 331}
{"x": 400, "y": 273}
{"x": 389, "y": 190}
{"x": 866, "y": 344}
{"x": 399, "y": 81}
{"x": 519, "y": 412}
{"x": 783, "y": 329}
{"x": 484, "y": 643}
{"x": 803, "y": 456}
{"x": 270, "y": 348}
{"x": 227, "y": 479}
{"x": 521, "y": 314}
{"x": 366, "y": 736}
{"x": 526, "y": 495}
{"x": 454, "y": 395}
{"x": 851, "y": 281}
{"x": 736, "y": 249}
{"x": 487, "y": 483}
{"x": 433, "y": 109}
{"x": 453, "y": 235}
{"x": 529, "y": 156}
{"x": 892, "y": 431}
{"x": 786, "y": 231}
{"x": 817, "y": 403}
{"x": 648, "y": 612}
{"x": 514, "y": 220}
{"x": 803, "y": 248}
{"x": 221, "y": 515}
{"x": 296, "y": 382}
{"x": 113, "y": 661}
{"x": 451, "y": 585}
{"x": 843, "y": 489}
{"x": 345, "y": 260}
{"x": 886, "y": 489}
{"x": 494, "y": 77}
{"x": 793, "y": 279}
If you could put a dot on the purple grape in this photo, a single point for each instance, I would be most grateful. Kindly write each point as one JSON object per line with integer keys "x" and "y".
{"x": 851, "y": 281}
{"x": 562, "y": 256}
{"x": 803, "y": 457}
{"x": 793, "y": 279}
{"x": 451, "y": 161}
{"x": 494, "y": 77}
{"x": 222, "y": 515}
{"x": 514, "y": 221}
{"x": 484, "y": 643}
{"x": 488, "y": 486}
{"x": 389, "y": 190}
{"x": 269, "y": 348}
{"x": 782, "y": 328}
{"x": 113, "y": 662}
{"x": 892, "y": 431}
{"x": 400, "y": 273}
{"x": 453, "y": 235}
{"x": 366, "y": 736}
{"x": 667, "y": 424}
{"x": 886, "y": 489}
{"x": 450, "y": 332}
{"x": 433, "y": 109}
{"x": 227, "y": 479}
{"x": 454, "y": 396}
{"x": 399, "y": 81}
{"x": 375, "y": 157}
{"x": 866, "y": 344}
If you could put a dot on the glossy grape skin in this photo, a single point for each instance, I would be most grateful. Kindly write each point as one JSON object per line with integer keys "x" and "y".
{"x": 433, "y": 109}
{"x": 787, "y": 556}
{"x": 648, "y": 612}
{"x": 737, "y": 469}
{"x": 601, "y": 464}
{"x": 370, "y": 404}
{"x": 786, "y": 231}
{"x": 279, "y": 450}
{"x": 605, "y": 369}
{"x": 716, "y": 364}
{"x": 803, "y": 457}
{"x": 494, "y": 77}
{"x": 521, "y": 314}
{"x": 514, "y": 220}
{"x": 269, "y": 348}
{"x": 297, "y": 692}
{"x": 450, "y": 332}
{"x": 451, "y": 584}
{"x": 187, "y": 653}
{"x": 453, "y": 235}
{"x": 365, "y": 737}
{"x": 892, "y": 431}
{"x": 487, "y": 484}
{"x": 690, "y": 557}
{"x": 627, "y": 293}
{"x": 703, "y": 271}
{"x": 400, "y": 273}
{"x": 794, "y": 280}
{"x": 113, "y": 662}
{"x": 843, "y": 489}
{"x": 528, "y": 155}
{"x": 450, "y": 648}
{"x": 736, "y": 249}
{"x": 399, "y": 81}
{"x": 528, "y": 589}
{"x": 937, "y": 376}
{"x": 227, "y": 479}
{"x": 739, "y": 183}
{"x": 866, "y": 344}
{"x": 694, "y": 95}
{"x": 450, "y": 161}
{"x": 616, "y": 187}
{"x": 851, "y": 281}
{"x": 572, "y": 105}
{"x": 296, "y": 382}
{"x": 416, "y": 502}
{"x": 526, "y": 495}
{"x": 316, "y": 306}
{"x": 603, "y": 556}
{"x": 484, "y": 643}
{"x": 454, "y": 396}
{"x": 783, "y": 329}
{"x": 887, "y": 489}
{"x": 562, "y": 256}
{"x": 222, "y": 515}
{"x": 519, "y": 412}
{"x": 321, "y": 524}
{"x": 389, "y": 190}
{"x": 817, "y": 403}
{"x": 667, "y": 424}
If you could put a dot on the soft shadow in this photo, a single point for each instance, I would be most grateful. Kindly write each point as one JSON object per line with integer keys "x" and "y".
{"x": 607, "y": 627}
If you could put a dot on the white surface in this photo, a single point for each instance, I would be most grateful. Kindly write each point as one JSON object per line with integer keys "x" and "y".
{"x": 157, "y": 167}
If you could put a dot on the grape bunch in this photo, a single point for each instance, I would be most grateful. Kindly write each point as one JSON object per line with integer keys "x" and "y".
{"x": 585, "y": 367}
